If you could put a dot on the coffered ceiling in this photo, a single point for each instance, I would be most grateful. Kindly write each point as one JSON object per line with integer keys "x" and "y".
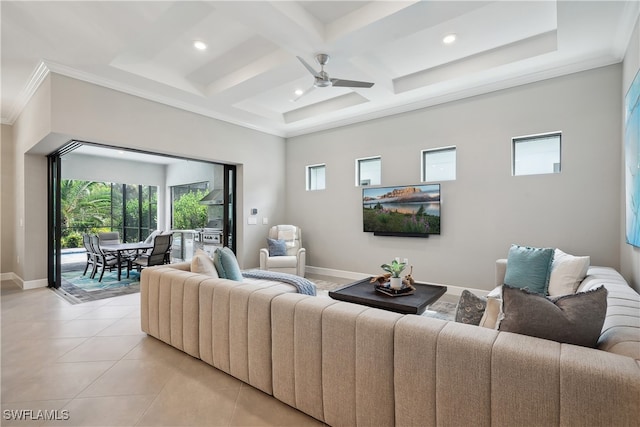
{"x": 249, "y": 72}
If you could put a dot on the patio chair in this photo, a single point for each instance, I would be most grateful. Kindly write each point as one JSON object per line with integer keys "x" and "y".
{"x": 158, "y": 255}
{"x": 106, "y": 260}
{"x": 113, "y": 238}
{"x": 109, "y": 238}
{"x": 91, "y": 257}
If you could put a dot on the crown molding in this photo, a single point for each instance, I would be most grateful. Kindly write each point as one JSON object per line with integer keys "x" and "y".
{"x": 35, "y": 80}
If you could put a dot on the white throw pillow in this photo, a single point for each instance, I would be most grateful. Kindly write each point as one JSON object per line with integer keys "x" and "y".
{"x": 493, "y": 311}
{"x": 567, "y": 272}
{"x": 202, "y": 264}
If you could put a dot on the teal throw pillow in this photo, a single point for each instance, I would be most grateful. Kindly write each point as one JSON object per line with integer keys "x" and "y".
{"x": 227, "y": 265}
{"x": 529, "y": 268}
{"x": 277, "y": 247}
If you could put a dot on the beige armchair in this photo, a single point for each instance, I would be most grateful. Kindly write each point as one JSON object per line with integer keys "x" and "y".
{"x": 285, "y": 252}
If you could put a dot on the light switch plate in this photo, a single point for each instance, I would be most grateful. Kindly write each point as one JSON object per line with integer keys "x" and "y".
{"x": 252, "y": 221}
{"x": 265, "y": 221}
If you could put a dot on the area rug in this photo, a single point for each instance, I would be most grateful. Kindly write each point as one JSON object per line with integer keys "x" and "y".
{"x": 84, "y": 289}
{"x": 441, "y": 310}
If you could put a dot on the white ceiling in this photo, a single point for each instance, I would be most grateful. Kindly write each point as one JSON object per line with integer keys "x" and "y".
{"x": 249, "y": 72}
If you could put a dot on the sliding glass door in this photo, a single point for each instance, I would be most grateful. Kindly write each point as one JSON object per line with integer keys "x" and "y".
{"x": 54, "y": 213}
{"x": 80, "y": 201}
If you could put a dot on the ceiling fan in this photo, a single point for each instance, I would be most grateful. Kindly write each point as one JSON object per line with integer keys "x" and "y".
{"x": 322, "y": 79}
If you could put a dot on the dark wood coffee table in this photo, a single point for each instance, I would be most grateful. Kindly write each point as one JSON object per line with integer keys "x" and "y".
{"x": 363, "y": 292}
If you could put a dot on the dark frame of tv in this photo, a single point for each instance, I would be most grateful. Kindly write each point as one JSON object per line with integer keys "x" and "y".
{"x": 401, "y": 210}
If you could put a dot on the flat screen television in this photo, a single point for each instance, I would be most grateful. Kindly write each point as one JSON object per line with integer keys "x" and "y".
{"x": 408, "y": 210}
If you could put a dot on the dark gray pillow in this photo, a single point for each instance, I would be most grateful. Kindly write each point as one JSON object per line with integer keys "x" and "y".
{"x": 572, "y": 319}
{"x": 470, "y": 308}
{"x": 276, "y": 247}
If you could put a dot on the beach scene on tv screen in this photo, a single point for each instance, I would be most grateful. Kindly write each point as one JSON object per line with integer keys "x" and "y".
{"x": 411, "y": 209}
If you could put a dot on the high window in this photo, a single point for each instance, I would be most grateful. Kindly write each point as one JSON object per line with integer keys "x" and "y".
{"x": 439, "y": 164}
{"x": 369, "y": 171}
{"x": 536, "y": 154}
{"x": 315, "y": 177}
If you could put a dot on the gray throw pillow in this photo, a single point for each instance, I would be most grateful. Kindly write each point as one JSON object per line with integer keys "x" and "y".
{"x": 470, "y": 308}
{"x": 572, "y": 319}
{"x": 277, "y": 247}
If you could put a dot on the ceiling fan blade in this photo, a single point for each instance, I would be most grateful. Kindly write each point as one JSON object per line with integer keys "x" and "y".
{"x": 349, "y": 83}
{"x": 310, "y": 68}
{"x": 304, "y": 93}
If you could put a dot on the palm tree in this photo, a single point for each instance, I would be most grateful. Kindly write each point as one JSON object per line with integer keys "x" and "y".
{"x": 84, "y": 204}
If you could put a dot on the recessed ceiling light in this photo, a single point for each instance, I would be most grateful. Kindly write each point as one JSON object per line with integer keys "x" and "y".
{"x": 298, "y": 92}
{"x": 200, "y": 45}
{"x": 449, "y": 38}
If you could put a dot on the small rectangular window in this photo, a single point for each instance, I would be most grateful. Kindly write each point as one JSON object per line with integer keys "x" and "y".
{"x": 537, "y": 154}
{"x": 315, "y": 177}
{"x": 439, "y": 164}
{"x": 369, "y": 171}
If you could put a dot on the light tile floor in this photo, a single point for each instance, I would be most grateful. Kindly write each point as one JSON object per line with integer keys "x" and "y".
{"x": 91, "y": 363}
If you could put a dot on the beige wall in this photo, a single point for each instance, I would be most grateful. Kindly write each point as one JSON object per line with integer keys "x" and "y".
{"x": 485, "y": 209}
{"x": 30, "y": 209}
{"x": 7, "y": 201}
{"x": 630, "y": 256}
{"x": 65, "y": 108}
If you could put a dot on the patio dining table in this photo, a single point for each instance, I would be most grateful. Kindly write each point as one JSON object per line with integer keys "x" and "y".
{"x": 125, "y": 247}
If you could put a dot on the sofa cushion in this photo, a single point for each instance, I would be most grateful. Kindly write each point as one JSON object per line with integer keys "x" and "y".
{"x": 277, "y": 247}
{"x": 567, "y": 272}
{"x": 227, "y": 264}
{"x": 572, "y": 319}
{"x": 202, "y": 264}
{"x": 529, "y": 268}
{"x": 470, "y": 308}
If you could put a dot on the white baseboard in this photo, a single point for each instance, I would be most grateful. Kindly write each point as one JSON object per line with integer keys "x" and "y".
{"x": 33, "y": 284}
{"x": 451, "y": 290}
{"x": 336, "y": 273}
{"x": 7, "y": 276}
{"x": 29, "y": 284}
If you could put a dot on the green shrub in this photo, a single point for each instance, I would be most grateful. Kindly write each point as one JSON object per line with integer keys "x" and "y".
{"x": 73, "y": 240}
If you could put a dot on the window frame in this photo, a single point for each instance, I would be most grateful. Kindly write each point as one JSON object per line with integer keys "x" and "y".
{"x": 308, "y": 178}
{"x": 358, "y": 169}
{"x": 423, "y": 162}
{"x": 527, "y": 138}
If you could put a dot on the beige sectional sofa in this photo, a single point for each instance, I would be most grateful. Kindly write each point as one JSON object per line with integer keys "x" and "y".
{"x": 350, "y": 365}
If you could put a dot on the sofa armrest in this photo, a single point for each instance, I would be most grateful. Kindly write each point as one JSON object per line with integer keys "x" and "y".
{"x": 302, "y": 261}
{"x": 501, "y": 269}
{"x": 264, "y": 255}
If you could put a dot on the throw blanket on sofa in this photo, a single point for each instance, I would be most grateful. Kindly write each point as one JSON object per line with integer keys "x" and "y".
{"x": 303, "y": 285}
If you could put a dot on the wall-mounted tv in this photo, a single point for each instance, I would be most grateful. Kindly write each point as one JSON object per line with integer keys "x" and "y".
{"x": 408, "y": 210}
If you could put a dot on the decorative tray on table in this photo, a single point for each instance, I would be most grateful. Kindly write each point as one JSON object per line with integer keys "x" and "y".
{"x": 405, "y": 290}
